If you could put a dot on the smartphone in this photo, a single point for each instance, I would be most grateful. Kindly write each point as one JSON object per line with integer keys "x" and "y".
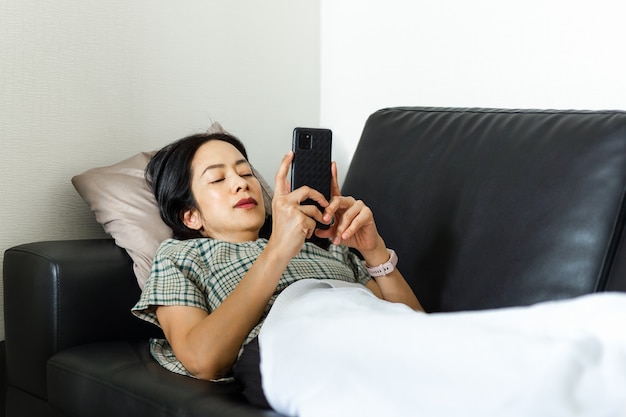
{"x": 311, "y": 163}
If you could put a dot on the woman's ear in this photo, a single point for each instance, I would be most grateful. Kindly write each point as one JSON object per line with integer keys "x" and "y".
{"x": 191, "y": 219}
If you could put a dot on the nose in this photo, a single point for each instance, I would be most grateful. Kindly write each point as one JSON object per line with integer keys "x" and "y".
{"x": 240, "y": 184}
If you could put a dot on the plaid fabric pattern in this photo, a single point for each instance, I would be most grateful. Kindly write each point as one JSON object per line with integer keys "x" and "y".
{"x": 202, "y": 273}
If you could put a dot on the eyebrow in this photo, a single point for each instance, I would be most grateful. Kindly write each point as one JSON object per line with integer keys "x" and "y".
{"x": 214, "y": 166}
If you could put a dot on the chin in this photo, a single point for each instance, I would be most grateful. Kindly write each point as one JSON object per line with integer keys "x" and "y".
{"x": 253, "y": 227}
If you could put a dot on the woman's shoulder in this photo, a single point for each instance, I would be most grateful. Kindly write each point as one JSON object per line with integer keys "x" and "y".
{"x": 190, "y": 257}
{"x": 174, "y": 248}
{"x": 204, "y": 247}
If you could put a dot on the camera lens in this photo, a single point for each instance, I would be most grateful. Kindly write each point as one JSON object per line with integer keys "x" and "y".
{"x": 304, "y": 141}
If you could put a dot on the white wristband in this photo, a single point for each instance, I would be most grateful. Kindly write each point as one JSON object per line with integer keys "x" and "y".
{"x": 386, "y": 268}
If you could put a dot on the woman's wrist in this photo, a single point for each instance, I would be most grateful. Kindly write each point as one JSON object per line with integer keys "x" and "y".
{"x": 276, "y": 255}
{"x": 385, "y": 268}
{"x": 378, "y": 255}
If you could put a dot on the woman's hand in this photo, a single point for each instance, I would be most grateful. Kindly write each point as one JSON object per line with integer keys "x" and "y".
{"x": 353, "y": 225}
{"x": 292, "y": 222}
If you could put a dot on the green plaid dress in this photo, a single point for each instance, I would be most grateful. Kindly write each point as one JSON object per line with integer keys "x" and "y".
{"x": 202, "y": 273}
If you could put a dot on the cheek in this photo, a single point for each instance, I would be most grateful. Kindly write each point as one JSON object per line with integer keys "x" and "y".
{"x": 210, "y": 201}
{"x": 257, "y": 186}
{"x": 206, "y": 199}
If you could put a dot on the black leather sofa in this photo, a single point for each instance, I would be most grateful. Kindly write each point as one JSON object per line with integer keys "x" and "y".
{"x": 486, "y": 209}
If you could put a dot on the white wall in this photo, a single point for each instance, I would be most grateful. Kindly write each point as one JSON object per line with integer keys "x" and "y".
{"x": 87, "y": 83}
{"x": 481, "y": 53}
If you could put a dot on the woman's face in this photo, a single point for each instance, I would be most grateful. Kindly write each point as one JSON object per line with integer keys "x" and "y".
{"x": 228, "y": 197}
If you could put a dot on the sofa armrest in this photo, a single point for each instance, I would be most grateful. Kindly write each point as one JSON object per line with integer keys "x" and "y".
{"x": 59, "y": 294}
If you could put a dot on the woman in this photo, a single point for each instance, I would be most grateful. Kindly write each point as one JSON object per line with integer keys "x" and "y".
{"x": 211, "y": 290}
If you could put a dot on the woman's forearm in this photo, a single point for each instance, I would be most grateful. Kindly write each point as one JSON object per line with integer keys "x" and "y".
{"x": 392, "y": 287}
{"x": 208, "y": 344}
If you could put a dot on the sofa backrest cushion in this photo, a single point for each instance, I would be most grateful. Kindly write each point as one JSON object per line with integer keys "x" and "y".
{"x": 489, "y": 208}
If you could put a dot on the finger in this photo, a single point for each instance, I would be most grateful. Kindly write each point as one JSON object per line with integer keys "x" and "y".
{"x": 328, "y": 233}
{"x": 334, "y": 185}
{"x": 336, "y": 203}
{"x": 352, "y": 220}
{"x": 312, "y": 211}
{"x": 281, "y": 185}
{"x": 307, "y": 193}
{"x": 335, "y": 193}
{"x": 307, "y": 225}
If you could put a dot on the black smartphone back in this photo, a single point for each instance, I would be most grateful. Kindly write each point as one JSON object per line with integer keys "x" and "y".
{"x": 312, "y": 158}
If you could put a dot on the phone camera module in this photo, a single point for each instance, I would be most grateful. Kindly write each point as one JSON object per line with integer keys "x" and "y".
{"x": 304, "y": 141}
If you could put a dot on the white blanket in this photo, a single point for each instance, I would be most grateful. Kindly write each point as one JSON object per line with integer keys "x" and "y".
{"x": 334, "y": 349}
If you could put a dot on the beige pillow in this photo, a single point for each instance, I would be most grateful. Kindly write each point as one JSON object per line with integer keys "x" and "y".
{"x": 126, "y": 208}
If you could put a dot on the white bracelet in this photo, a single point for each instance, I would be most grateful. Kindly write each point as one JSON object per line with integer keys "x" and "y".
{"x": 386, "y": 268}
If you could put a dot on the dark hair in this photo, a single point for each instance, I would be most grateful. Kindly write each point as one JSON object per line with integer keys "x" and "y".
{"x": 169, "y": 176}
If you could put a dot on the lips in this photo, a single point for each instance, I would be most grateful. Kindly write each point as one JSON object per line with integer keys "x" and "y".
{"x": 246, "y": 203}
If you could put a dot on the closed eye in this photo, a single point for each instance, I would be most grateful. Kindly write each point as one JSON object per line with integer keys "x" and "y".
{"x": 218, "y": 180}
